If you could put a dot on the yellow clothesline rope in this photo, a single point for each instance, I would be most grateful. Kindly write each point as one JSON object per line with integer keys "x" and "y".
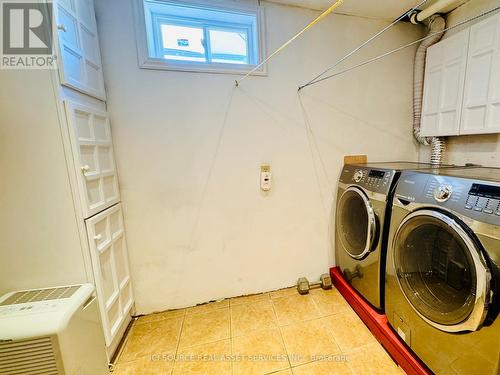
{"x": 314, "y": 22}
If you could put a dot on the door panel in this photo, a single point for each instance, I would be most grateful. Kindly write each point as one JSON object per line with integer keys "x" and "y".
{"x": 356, "y": 223}
{"x": 444, "y": 85}
{"x": 108, "y": 250}
{"x": 86, "y": 13}
{"x": 80, "y": 58}
{"x": 441, "y": 271}
{"x": 90, "y": 44}
{"x": 93, "y": 156}
{"x": 482, "y": 85}
{"x": 109, "y": 288}
{"x": 70, "y": 34}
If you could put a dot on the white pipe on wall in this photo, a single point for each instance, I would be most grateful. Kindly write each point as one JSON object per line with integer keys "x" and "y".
{"x": 437, "y": 7}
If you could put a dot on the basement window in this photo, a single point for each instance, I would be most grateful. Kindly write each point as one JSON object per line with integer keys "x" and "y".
{"x": 199, "y": 36}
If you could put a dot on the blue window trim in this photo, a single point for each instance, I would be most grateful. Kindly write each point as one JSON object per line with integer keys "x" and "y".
{"x": 248, "y": 19}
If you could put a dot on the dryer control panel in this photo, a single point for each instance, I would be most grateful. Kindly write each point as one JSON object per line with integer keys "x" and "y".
{"x": 375, "y": 180}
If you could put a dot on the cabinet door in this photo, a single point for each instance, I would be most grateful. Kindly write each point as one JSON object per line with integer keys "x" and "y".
{"x": 481, "y": 112}
{"x": 93, "y": 156}
{"x": 80, "y": 65}
{"x": 109, "y": 256}
{"x": 444, "y": 86}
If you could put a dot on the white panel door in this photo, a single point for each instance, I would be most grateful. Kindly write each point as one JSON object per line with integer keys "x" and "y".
{"x": 93, "y": 156}
{"x": 80, "y": 65}
{"x": 481, "y": 113}
{"x": 108, "y": 250}
{"x": 444, "y": 86}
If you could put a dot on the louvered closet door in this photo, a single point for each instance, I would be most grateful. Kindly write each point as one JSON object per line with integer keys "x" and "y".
{"x": 108, "y": 251}
{"x": 93, "y": 156}
{"x": 444, "y": 86}
{"x": 482, "y": 86}
{"x": 80, "y": 57}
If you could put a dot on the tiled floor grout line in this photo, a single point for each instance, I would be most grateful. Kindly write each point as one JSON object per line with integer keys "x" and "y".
{"x": 231, "y": 335}
{"x": 348, "y": 353}
{"x": 316, "y": 305}
{"x": 311, "y": 320}
{"x": 178, "y": 342}
{"x": 328, "y": 331}
{"x": 281, "y": 335}
{"x": 254, "y": 331}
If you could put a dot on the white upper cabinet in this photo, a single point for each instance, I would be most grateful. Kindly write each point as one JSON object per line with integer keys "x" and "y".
{"x": 462, "y": 82}
{"x": 444, "y": 86}
{"x": 80, "y": 65}
{"x": 481, "y": 112}
{"x": 93, "y": 157}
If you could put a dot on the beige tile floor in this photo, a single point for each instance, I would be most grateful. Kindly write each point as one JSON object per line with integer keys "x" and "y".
{"x": 280, "y": 333}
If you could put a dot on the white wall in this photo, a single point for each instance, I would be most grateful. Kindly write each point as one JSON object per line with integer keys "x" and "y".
{"x": 477, "y": 149}
{"x": 189, "y": 244}
{"x": 39, "y": 239}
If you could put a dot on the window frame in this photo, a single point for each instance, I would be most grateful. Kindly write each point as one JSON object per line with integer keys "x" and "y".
{"x": 144, "y": 24}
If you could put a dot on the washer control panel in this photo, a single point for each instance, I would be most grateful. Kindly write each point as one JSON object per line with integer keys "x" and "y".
{"x": 472, "y": 199}
{"x": 484, "y": 198}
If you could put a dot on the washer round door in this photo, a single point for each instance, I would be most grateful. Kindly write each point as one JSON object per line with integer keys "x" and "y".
{"x": 356, "y": 223}
{"x": 441, "y": 271}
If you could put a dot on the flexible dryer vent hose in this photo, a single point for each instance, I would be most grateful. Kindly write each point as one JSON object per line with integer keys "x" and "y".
{"x": 436, "y": 24}
{"x": 438, "y": 146}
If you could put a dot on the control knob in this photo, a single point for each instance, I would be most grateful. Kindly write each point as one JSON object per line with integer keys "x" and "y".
{"x": 443, "y": 193}
{"x": 358, "y": 176}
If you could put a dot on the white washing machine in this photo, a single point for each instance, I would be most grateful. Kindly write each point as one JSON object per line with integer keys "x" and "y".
{"x": 443, "y": 268}
{"x": 364, "y": 199}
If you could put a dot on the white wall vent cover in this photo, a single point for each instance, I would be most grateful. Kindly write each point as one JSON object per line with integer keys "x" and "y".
{"x": 28, "y": 357}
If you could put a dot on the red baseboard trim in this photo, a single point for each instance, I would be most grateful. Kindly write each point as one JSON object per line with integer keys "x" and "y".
{"x": 379, "y": 326}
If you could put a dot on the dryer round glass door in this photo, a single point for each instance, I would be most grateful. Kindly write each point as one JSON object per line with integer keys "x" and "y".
{"x": 441, "y": 271}
{"x": 356, "y": 223}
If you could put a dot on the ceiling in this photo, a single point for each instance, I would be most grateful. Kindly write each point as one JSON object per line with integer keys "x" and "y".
{"x": 386, "y": 9}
